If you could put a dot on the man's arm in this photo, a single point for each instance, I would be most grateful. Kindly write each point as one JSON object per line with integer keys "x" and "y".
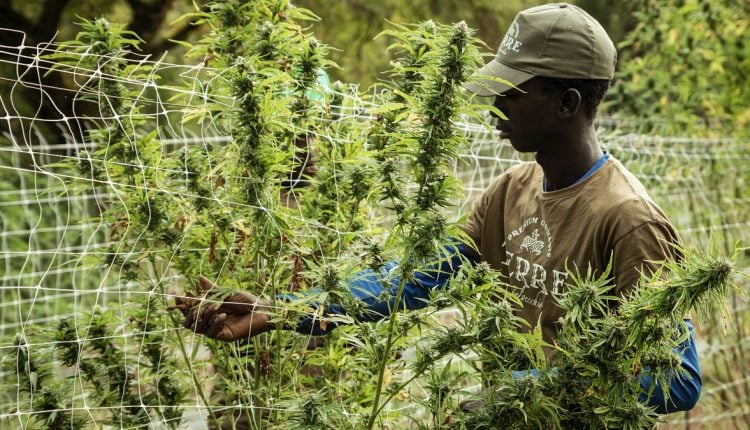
{"x": 239, "y": 315}
{"x": 242, "y": 315}
{"x": 644, "y": 247}
{"x": 683, "y": 392}
{"x": 378, "y": 290}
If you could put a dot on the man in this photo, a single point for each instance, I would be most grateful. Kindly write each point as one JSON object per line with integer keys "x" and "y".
{"x": 576, "y": 207}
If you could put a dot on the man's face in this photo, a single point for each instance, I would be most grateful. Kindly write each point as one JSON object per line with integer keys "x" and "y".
{"x": 531, "y": 124}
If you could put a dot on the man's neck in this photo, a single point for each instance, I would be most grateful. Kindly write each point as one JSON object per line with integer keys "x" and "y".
{"x": 564, "y": 167}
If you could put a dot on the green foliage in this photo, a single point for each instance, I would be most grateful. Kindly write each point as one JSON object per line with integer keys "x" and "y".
{"x": 352, "y": 27}
{"x": 123, "y": 383}
{"x": 685, "y": 67}
{"x": 591, "y": 379}
{"x": 217, "y": 211}
{"x": 249, "y": 216}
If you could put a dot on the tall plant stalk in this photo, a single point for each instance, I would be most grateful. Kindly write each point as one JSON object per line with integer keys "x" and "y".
{"x": 436, "y": 142}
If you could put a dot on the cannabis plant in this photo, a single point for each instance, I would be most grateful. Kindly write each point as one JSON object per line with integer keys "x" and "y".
{"x": 594, "y": 379}
{"x": 301, "y": 199}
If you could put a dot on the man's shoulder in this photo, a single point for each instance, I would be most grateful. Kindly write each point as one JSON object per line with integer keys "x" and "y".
{"x": 624, "y": 180}
{"x": 518, "y": 177}
{"x": 523, "y": 167}
{"x": 524, "y": 171}
{"x": 626, "y": 196}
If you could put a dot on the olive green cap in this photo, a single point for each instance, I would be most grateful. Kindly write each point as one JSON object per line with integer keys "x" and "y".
{"x": 557, "y": 40}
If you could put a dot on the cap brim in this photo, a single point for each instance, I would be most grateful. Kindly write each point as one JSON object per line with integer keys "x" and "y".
{"x": 495, "y": 78}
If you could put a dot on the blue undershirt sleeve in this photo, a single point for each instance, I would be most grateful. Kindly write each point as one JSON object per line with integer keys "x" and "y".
{"x": 684, "y": 392}
{"x": 377, "y": 290}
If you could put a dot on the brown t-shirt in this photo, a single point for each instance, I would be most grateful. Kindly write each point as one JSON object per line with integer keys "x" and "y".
{"x": 536, "y": 238}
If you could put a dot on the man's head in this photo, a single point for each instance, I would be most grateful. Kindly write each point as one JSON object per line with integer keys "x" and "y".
{"x": 592, "y": 91}
{"x": 548, "y": 114}
{"x": 556, "y": 40}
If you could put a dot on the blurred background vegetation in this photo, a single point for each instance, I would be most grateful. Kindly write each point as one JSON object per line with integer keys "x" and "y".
{"x": 683, "y": 64}
{"x": 350, "y": 26}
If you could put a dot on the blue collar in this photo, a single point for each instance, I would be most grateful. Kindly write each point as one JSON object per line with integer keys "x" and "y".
{"x": 599, "y": 163}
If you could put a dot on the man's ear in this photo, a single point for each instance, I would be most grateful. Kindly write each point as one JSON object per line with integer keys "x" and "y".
{"x": 570, "y": 103}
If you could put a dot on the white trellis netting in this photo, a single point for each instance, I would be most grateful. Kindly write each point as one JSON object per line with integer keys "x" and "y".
{"x": 50, "y": 235}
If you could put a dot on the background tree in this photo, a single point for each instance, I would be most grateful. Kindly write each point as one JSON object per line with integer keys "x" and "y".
{"x": 44, "y": 21}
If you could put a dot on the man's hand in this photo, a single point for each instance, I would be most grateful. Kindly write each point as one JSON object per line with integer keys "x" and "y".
{"x": 240, "y": 316}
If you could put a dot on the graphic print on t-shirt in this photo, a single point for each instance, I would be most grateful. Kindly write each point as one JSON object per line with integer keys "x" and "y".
{"x": 528, "y": 250}
{"x": 532, "y": 243}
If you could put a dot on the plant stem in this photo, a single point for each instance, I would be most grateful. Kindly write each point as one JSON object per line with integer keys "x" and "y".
{"x": 376, "y": 408}
{"x": 196, "y": 382}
